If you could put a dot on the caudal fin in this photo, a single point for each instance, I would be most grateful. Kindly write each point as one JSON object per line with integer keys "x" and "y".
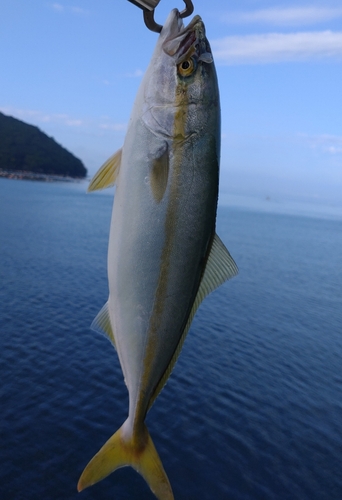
{"x": 140, "y": 454}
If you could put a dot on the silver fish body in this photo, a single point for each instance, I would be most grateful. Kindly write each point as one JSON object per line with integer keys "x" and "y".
{"x": 164, "y": 256}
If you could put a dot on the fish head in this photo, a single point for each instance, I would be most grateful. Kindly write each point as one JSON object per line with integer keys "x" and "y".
{"x": 181, "y": 79}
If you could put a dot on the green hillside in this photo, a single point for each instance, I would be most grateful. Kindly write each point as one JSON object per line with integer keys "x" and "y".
{"x": 24, "y": 147}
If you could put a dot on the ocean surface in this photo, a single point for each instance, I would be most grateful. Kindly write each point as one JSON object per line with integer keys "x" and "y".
{"x": 253, "y": 409}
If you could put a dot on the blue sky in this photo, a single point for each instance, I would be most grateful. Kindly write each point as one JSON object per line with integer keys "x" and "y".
{"x": 73, "y": 69}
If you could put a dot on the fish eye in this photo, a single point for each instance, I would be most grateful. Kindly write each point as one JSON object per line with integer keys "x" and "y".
{"x": 187, "y": 67}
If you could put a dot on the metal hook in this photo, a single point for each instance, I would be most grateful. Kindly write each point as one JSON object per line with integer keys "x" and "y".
{"x": 148, "y": 7}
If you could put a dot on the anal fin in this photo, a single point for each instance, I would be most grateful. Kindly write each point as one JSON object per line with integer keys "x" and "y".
{"x": 102, "y": 324}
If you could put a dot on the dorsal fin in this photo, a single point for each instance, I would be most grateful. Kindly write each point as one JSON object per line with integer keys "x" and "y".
{"x": 219, "y": 268}
{"x": 106, "y": 176}
{"x": 102, "y": 324}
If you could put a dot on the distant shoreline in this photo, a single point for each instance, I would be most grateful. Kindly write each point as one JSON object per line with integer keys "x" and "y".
{"x": 32, "y": 176}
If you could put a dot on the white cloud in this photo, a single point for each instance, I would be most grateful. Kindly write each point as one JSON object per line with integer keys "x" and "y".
{"x": 331, "y": 144}
{"x": 291, "y": 16}
{"x": 58, "y": 7}
{"x": 116, "y": 127}
{"x": 334, "y": 150}
{"x": 26, "y": 114}
{"x": 73, "y": 9}
{"x": 278, "y": 47}
{"x": 79, "y": 10}
{"x": 74, "y": 123}
{"x": 35, "y": 117}
{"x": 135, "y": 74}
{"x": 138, "y": 73}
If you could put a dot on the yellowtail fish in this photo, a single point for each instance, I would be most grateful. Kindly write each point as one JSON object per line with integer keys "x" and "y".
{"x": 164, "y": 256}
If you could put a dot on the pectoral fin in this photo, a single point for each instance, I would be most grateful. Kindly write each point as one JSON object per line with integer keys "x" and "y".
{"x": 219, "y": 268}
{"x": 159, "y": 175}
{"x": 107, "y": 174}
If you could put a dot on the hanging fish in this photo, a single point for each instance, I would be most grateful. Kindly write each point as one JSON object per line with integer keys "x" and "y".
{"x": 164, "y": 256}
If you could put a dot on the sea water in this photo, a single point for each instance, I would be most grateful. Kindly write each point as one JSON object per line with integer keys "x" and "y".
{"x": 253, "y": 409}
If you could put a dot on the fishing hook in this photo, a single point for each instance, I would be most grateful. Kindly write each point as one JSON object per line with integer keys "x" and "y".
{"x": 148, "y": 7}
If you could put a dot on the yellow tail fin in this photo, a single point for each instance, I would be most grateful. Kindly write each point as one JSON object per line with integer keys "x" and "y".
{"x": 120, "y": 451}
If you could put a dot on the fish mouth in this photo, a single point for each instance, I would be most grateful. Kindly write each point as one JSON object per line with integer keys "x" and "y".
{"x": 183, "y": 42}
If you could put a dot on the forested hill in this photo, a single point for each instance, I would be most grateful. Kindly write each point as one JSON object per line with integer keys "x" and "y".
{"x": 24, "y": 147}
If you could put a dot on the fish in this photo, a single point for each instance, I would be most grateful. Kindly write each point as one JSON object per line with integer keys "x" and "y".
{"x": 164, "y": 256}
